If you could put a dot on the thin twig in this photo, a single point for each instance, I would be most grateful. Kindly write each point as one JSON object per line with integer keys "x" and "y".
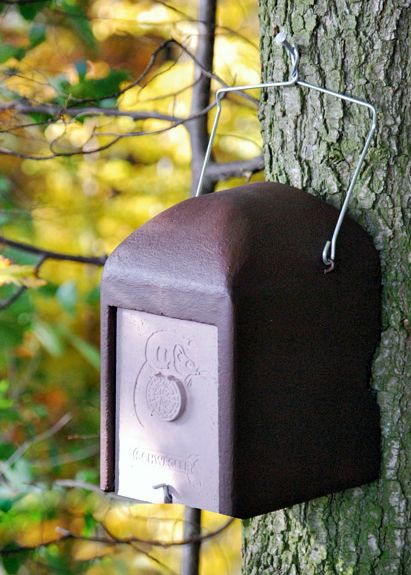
{"x": 20, "y": 2}
{"x": 112, "y": 539}
{"x": 116, "y": 138}
{"x": 66, "y": 458}
{"x": 153, "y": 558}
{"x": 223, "y": 171}
{"x": 21, "y": 450}
{"x": 76, "y": 484}
{"x": 49, "y": 254}
{"x": 165, "y": 544}
{"x": 7, "y": 302}
{"x": 77, "y": 112}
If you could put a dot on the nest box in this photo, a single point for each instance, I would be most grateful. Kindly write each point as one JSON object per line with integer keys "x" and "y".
{"x": 234, "y": 371}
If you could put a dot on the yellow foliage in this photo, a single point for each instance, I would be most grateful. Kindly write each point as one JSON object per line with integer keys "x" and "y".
{"x": 36, "y": 534}
{"x": 18, "y": 274}
{"x": 86, "y": 550}
{"x": 87, "y": 205}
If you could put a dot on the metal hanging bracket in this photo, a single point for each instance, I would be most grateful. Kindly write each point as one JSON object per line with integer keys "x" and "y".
{"x": 328, "y": 253}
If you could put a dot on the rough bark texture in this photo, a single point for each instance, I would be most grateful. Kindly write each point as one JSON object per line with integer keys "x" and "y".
{"x": 312, "y": 142}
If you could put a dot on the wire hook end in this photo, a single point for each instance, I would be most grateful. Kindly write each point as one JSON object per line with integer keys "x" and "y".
{"x": 168, "y": 498}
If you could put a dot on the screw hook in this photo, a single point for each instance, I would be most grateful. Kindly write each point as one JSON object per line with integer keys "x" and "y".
{"x": 281, "y": 39}
{"x": 168, "y": 498}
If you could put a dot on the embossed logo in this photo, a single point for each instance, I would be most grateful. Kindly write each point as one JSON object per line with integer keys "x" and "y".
{"x": 164, "y": 378}
{"x": 185, "y": 465}
{"x": 165, "y": 397}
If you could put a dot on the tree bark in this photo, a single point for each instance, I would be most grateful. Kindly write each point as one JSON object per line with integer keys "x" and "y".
{"x": 191, "y": 552}
{"x": 312, "y": 142}
{"x": 200, "y": 98}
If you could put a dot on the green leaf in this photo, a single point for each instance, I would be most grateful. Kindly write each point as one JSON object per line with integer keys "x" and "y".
{"x": 37, "y": 34}
{"x": 108, "y": 103}
{"x": 8, "y": 51}
{"x": 67, "y": 296}
{"x": 86, "y": 349}
{"x": 5, "y": 184}
{"x": 10, "y": 415}
{"x": 20, "y": 257}
{"x": 79, "y": 22}
{"x": 14, "y": 322}
{"x": 90, "y": 524}
{"x": 81, "y": 67}
{"x": 98, "y": 88}
{"x": 60, "y": 83}
{"x": 40, "y": 118}
{"x": 93, "y": 296}
{"x": 6, "y": 504}
{"x": 48, "y": 291}
{"x": 30, "y": 10}
{"x": 49, "y": 338}
{"x": 6, "y": 449}
{"x": 12, "y": 563}
{"x": 6, "y": 203}
{"x": 5, "y": 403}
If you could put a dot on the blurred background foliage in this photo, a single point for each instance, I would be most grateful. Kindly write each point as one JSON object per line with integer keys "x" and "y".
{"x": 86, "y": 203}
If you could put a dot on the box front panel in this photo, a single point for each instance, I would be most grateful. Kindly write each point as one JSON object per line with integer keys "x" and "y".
{"x": 167, "y": 409}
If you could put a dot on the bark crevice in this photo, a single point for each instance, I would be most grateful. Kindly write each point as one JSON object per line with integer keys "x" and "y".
{"x": 313, "y": 143}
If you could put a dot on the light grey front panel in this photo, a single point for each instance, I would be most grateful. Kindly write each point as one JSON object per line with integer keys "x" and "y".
{"x": 166, "y": 409}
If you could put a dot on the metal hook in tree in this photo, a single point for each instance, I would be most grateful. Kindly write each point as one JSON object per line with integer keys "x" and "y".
{"x": 329, "y": 251}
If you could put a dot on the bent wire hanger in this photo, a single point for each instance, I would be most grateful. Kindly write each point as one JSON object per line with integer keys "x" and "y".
{"x": 281, "y": 38}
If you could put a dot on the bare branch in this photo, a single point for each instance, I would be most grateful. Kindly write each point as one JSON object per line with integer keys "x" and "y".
{"x": 166, "y": 544}
{"x": 21, "y": 450}
{"x": 76, "y": 112}
{"x": 65, "y": 458}
{"x": 70, "y": 110}
{"x": 23, "y": 126}
{"x": 223, "y": 171}
{"x": 49, "y": 254}
{"x": 75, "y": 484}
{"x": 112, "y": 539}
{"x": 5, "y": 303}
{"x": 24, "y": 156}
{"x": 116, "y": 138}
{"x": 20, "y": 2}
{"x": 152, "y": 60}
{"x": 219, "y": 27}
{"x": 44, "y": 255}
{"x": 153, "y": 559}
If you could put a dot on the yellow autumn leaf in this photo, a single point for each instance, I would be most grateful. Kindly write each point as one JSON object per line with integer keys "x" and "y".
{"x": 86, "y": 550}
{"x": 21, "y": 275}
{"x": 36, "y": 534}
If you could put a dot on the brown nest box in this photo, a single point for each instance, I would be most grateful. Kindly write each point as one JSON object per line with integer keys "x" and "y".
{"x": 234, "y": 371}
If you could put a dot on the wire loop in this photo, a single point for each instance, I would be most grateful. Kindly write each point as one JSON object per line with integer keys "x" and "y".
{"x": 329, "y": 251}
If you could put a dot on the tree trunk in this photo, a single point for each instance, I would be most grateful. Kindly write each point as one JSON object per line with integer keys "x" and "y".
{"x": 312, "y": 142}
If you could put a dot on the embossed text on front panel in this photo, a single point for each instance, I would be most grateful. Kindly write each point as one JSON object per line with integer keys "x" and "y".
{"x": 166, "y": 392}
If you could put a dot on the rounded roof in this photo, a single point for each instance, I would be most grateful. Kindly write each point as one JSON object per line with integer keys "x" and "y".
{"x": 247, "y": 235}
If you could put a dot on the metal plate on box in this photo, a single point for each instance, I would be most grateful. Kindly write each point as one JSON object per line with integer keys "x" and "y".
{"x": 166, "y": 409}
